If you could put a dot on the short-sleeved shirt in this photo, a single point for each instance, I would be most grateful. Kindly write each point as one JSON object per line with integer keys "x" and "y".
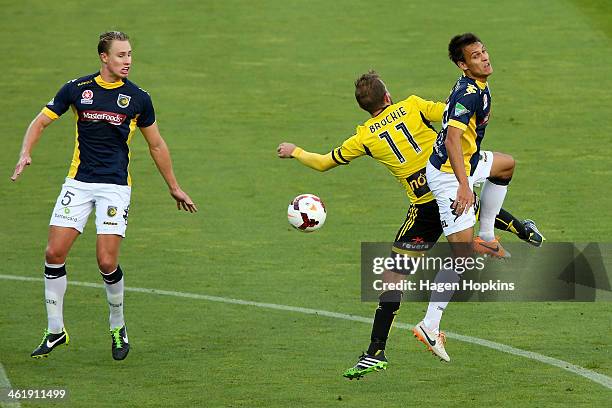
{"x": 401, "y": 138}
{"x": 468, "y": 108}
{"x": 106, "y": 116}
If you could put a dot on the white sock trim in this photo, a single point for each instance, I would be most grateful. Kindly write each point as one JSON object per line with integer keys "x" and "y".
{"x": 54, "y": 266}
{"x": 109, "y": 273}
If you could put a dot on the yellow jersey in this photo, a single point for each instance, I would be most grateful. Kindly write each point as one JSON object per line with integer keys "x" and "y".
{"x": 401, "y": 138}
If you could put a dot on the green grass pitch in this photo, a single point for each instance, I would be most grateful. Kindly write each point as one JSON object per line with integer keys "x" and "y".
{"x": 232, "y": 79}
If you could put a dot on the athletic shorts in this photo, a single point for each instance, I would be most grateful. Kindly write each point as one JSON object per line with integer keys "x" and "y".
{"x": 78, "y": 199}
{"x": 421, "y": 229}
{"x": 444, "y": 187}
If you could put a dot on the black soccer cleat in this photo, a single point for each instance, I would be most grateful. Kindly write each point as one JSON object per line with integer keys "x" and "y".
{"x": 120, "y": 345}
{"x": 534, "y": 236}
{"x": 49, "y": 342}
{"x": 367, "y": 364}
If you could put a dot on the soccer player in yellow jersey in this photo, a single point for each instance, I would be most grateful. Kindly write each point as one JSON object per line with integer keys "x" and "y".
{"x": 400, "y": 137}
{"x": 108, "y": 108}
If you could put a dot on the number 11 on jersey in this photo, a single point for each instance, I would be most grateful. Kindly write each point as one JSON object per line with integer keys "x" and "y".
{"x": 400, "y": 126}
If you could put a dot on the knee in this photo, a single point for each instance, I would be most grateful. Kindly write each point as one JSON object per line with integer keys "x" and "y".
{"x": 511, "y": 165}
{"x": 504, "y": 169}
{"x": 54, "y": 255}
{"x": 107, "y": 263}
{"x": 508, "y": 166}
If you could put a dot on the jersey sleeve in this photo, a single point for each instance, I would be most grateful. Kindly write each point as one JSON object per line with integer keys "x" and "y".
{"x": 147, "y": 116}
{"x": 432, "y": 111}
{"x": 315, "y": 161}
{"x": 463, "y": 107}
{"x": 350, "y": 149}
{"x": 60, "y": 103}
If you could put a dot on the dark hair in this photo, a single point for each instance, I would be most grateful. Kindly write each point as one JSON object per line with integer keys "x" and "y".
{"x": 458, "y": 43}
{"x": 107, "y": 38}
{"x": 370, "y": 91}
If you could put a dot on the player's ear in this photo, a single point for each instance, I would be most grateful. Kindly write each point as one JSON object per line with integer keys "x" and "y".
{"x": 462, "y": 65}
{"x": 388, "y": 98}
{"x": 104, "y": 57}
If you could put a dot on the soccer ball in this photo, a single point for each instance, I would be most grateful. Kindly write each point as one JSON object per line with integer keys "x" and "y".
{"x": 306, "y": 212}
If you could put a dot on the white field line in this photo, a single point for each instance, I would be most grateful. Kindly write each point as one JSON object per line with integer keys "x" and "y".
{"x": 564, "y": 365}
{"x": 5, "y": 384}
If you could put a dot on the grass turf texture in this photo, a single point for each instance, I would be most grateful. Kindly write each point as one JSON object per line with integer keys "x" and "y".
{"x": 230, "y": 81}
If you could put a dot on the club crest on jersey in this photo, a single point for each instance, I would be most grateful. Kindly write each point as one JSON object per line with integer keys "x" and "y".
{"x": 87, "y": 97}
{"x": 123, "y": 100}
{"x": 485, "y": 101}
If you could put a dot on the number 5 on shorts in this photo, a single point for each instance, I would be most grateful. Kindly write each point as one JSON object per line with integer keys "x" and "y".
{"x": 67, "y": 198}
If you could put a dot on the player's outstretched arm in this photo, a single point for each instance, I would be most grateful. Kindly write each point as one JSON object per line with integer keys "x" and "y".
{"x": 31, "y": 137}
{"x": 315, "y": 161}
{"x": 161, "y": 156}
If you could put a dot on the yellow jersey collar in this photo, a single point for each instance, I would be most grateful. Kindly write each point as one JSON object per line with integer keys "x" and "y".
{"x": 108, "y": 85}
{"x": 481, "y": 85}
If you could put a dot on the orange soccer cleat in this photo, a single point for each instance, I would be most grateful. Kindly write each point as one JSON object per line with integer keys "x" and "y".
{"x": 491, "y": 248}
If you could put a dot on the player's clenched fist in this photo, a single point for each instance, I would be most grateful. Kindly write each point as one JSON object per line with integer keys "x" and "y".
{"x": 284, "y": 150}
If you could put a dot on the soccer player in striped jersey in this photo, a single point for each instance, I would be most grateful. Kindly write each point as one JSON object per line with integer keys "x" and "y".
{"x": 108, "y": 108}
{"x": 399, "y": 136}
{"x": 455, "y": 166}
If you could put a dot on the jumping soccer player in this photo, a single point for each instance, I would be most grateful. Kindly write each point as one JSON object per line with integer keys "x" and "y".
{"x": 108, "y": 109}
{"x": 455, "y": 165}
{"x": 400, "y": 137}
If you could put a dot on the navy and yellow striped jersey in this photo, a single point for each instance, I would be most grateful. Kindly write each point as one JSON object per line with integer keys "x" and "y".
{"x": 401, "y": 138}
{"x": 106, "y": 116}
{"x": 467, "y": 108}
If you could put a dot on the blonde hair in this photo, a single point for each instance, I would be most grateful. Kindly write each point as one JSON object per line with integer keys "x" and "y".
{"x": 107, "y": 38}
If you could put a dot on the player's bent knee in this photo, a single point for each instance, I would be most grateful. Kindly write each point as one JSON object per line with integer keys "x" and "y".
{"x": 54, "y": 255}
{"x": 511, "y": 165}
{"x": 107, "y": 265}
{"x": 503, "y": 167}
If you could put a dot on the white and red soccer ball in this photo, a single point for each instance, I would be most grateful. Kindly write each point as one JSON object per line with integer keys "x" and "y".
{"x": 306, "y": 212}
